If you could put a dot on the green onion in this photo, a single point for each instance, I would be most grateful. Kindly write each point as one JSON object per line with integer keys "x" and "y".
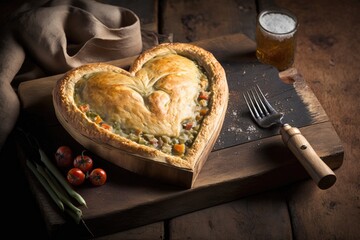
{"x": 57, "y": 174}
{"x": 76, "y": 212}
{"x": 53, "y": 184}
{"x": 56, "y": 183}
{"x": 45, "y": 185}
{"x": 73, "y": 215}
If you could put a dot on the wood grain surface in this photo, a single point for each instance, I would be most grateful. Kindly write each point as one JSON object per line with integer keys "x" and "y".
{"x": 192, "y": 21}
{"x": 327, "y": 58}
{"x": 245, "y": 160}
{"x": 329, "y": 39}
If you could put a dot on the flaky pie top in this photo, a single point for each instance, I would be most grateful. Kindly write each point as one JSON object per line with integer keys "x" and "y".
{"x": 156, "y": 101}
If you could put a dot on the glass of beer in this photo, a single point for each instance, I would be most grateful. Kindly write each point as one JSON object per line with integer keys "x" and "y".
{"x": 276, "y": 38}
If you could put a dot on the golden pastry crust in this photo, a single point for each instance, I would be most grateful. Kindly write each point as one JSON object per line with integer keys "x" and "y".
{"x": 165, "y": 99}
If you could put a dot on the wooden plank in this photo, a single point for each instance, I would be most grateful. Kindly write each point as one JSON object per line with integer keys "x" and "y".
{"x": 130, "y": 211}
{"x": 265, "y": 4}
{"x": 255, "y": 217}
{"x": 258, "y": 164}
{"x": 191, "y": 21}
{"x": 151, "y": 231}
{"x": 335, "y": 82}
{"x": 332, "y": 214}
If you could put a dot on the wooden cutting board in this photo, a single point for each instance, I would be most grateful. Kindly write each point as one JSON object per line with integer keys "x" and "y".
{"x": 244, "y": 161}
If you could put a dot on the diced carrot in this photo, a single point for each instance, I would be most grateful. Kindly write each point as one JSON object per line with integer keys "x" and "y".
{"x": 179, "y": 149}
{"x": 84, "y": 108}
{"x": 188, "y": 125}
{"x": 106, "y": 126}
{"x": 204, "y": 95}
{"x": 204, "y": 111}
{"x": 97, "y": 119}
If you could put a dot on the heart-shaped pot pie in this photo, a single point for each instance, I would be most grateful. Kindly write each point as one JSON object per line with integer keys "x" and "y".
{"x": 160, "y": 119}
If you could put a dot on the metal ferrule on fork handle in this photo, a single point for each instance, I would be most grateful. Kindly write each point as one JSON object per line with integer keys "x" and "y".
{"x": 301, "y": 148}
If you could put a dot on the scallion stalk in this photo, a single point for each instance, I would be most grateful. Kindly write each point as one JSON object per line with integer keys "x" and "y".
{"x": 73, "y": 215}
{"x": 52, "y": 168}
{"x": 65, "y": 200}
{"x": 56, "y": 183}
{"x": 44, "y": 183}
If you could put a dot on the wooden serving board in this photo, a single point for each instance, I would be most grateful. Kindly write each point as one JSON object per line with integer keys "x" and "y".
{"x": 245, "y": 159}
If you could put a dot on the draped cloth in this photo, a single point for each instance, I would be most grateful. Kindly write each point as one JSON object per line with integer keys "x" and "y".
{"x": 51, "y": 37}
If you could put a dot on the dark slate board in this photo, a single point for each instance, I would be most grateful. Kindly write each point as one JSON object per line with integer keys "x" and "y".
{"x": 238, "y": 126}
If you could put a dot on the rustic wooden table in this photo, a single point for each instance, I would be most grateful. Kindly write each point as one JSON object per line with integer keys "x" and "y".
{"x": 326, "y": 57}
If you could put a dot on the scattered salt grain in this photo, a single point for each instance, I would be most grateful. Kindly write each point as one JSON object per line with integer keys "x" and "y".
{"x": 251, "y": 128}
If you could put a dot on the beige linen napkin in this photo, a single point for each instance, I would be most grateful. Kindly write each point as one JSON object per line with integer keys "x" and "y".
{"x": 50, "y": 37}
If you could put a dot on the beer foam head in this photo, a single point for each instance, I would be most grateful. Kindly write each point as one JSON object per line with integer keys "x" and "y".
{"x": 281, "y": 25}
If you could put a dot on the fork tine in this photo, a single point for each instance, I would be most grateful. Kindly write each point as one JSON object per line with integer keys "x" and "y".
{"x": 261, "y": 101}
{"x": 251, "y": 107}
{"x": 259, "y": 105}
{"x": 265, "y": 101}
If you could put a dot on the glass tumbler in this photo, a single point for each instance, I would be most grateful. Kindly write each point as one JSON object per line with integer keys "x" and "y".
{"x": 276, "y": 38}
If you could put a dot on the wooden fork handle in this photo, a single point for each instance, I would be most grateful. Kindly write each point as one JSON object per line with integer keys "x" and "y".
{"x": 314, "y": 165}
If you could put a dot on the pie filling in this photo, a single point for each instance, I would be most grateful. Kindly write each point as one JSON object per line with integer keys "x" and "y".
{"x": 160, "y": 106}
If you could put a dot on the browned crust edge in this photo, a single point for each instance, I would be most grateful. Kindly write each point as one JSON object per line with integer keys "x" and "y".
{"x": 64, "y": 90}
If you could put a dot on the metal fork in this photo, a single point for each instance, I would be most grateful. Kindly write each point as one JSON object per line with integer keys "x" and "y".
{"x": 265, "y": 116}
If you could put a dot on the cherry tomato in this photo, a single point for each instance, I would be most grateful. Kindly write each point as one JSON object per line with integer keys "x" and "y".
{"x": 84, "y": 162}
{"x": 75, "y": 176}
{"x": 64, "y": 157}
{"x": 97, "y": 177}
